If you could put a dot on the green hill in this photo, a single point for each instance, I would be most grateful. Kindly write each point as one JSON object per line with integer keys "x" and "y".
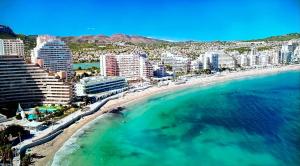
{"x": 280, "y": 38}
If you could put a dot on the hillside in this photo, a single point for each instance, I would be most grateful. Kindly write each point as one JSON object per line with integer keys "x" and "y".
{"x": 280, "y": 38}
{"x": 102, "y": 39}
{"x": 6, "y": 32}
{"x": 95, "y": 42}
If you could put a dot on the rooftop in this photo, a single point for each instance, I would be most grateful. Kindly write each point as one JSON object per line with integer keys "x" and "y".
{"x": 98, "y": 79}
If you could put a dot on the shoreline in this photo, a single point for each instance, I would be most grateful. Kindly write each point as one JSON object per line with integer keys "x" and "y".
{"x": 49, "y": 149}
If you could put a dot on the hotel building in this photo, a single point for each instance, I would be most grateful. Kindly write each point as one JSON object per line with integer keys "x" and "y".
{"x": 244, "y": 60}
{"x": 253, "y": 57}
{"x": 226, "y": 61}
{"x": 29, "y": 84}
{"x": 159, "y": 70}
{"x": 297, "y": 55}
{"x": 11, "y": 47}
{"x": 130, "y": 66}
{"x": 287, "y": 54}
{"x": 178, "y": 63}
{"x": 99, "y": 84}
{"x": 53, "y": 55}
{"x": 211, "y": 61}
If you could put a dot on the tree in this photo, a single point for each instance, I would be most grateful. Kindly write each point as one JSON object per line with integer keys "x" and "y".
{"x": 168, "y": 67}
{"x": 15, "y": 129}
{"x": 6, "y": 153}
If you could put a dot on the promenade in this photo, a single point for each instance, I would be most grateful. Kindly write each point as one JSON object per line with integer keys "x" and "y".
{"x": 57, "y": 128}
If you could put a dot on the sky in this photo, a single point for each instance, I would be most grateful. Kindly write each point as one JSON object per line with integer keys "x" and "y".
{"x": 178, "y": 20}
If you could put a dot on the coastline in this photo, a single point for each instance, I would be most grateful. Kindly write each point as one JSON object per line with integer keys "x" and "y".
{"x": 49, "y": 149}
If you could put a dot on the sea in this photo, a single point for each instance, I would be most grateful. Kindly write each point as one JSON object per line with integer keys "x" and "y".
{"x": 249, "y": 122}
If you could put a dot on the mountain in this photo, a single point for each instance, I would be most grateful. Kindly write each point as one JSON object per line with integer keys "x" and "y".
{"x": 103, "y": 39}
{"x": 280, "y": 37}
{"x": 6, "y": 32}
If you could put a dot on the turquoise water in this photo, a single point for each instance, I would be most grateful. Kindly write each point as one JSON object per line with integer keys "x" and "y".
{"x": 250, "y": 122}
{"x": 85, "y": 65}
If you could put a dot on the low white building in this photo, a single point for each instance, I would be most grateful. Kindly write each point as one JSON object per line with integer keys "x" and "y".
{"x": 99, "y": 84}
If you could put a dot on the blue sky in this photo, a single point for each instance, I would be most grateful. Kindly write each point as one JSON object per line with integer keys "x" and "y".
{"x": 202, "y": 20}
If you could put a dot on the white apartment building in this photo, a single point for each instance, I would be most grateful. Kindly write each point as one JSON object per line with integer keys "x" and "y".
{"x": 196, "y": 65}
{"x": 275, "y": 57}
{"x": 226, "y": 61}
{"x": 264, "y": 59}
{"x": 254, "y": 57}
{"x": 11, "y": 47}
{"x": 211, "y": 60}
{"x": 244, "y": 60}
{"x": 178, "y": 63}
{"x": 296, "y": 57}
{"x": 53, "y": 55}
{"x": 131, "y": 66}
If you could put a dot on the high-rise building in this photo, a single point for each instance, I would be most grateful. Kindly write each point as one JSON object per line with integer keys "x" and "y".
{"x": 264, "y": 59}
{"x": 287, "y": 53}
{"x": 53, "y": 55}
{"x": 131, "y": 66}
{"x": 11, "y": 47}
{"x": 244, "y": 60}
{"x": 30, "y": 85}
{"x": 296, "y": 57}
{"x": 211, "y": 61}
{"x": 109, "y": 65}
{"x": 275, "y": 60}
{"x": 254, "y": 58}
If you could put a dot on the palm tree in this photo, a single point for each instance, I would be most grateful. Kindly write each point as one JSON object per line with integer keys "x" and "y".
{"x": 6, "y": 153}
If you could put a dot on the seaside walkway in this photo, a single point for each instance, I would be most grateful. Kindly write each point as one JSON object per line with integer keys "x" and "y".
{"x": 51, "y": 132}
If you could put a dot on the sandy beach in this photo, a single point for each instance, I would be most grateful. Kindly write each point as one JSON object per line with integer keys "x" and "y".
{"x": 48, "y": 150}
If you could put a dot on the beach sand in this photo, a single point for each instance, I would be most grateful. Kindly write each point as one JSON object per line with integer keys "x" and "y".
{"x": 48, "y": 150}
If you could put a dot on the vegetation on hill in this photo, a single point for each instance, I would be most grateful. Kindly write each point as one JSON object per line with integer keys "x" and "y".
{"x": 240, "y": 49}
{"x": 280, "y": 38}
{"x": 29, "y": 43}
{"x": 80, "y": 46}
{"x": 6, "y": 36}
{"x": 264, "y": 48}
